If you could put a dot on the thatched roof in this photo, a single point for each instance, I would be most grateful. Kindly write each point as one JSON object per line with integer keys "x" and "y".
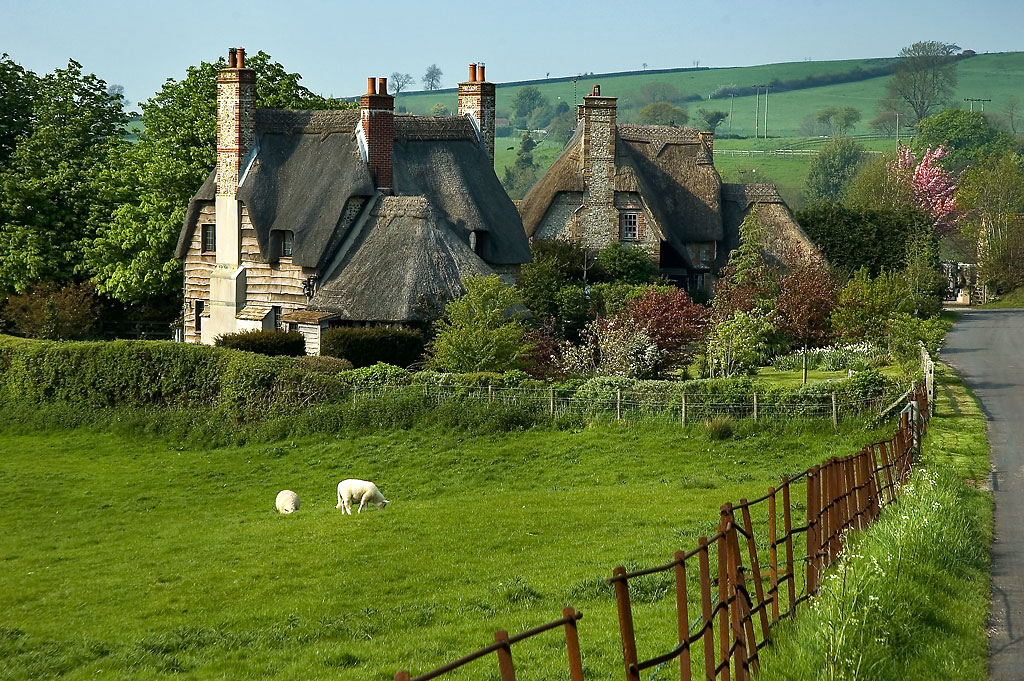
{"x": 667, "y": 166}
{"x": 207, "y": 193}
{"x": 408, "y": 261}
{"x": 441, "y": 159}
{"x": 785, "y": 239}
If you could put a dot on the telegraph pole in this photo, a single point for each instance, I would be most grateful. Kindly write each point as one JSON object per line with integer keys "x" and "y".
{"x": 766, "y": 89}
{"x": 972, "y": 100}
{"x": 731, "y": 97}
{"x": 757, "y": 110}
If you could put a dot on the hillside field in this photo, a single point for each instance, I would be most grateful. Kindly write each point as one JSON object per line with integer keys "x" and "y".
{"x": 131, "y": 556}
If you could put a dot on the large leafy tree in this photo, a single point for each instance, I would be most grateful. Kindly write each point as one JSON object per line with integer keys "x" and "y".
{"x": 149, "y": 184}
{"x": 924, "y": 78}
{"x": 17, "y": 90}
{"x": 662, "y": 113}
{"x": 47, "y": 187}
{"x": 833, "y": 168}
{"x": 991, "y": 196}
{"x": 966, "y": 136}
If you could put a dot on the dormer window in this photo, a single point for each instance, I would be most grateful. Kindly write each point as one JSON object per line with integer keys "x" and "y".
{"x": 287, "y": 239}
{"x": 629, "y": 226}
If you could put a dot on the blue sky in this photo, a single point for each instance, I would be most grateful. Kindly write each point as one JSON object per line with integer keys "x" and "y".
{"x": 336, "y": 45}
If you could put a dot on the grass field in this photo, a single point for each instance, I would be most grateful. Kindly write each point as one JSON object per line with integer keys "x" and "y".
{"x": 910, "y": 599}
{"x": 993, "y": 76}
{"x": 130, "y": 556}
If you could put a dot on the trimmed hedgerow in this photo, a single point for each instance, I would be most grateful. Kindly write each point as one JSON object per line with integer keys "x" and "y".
{"x": 368, "y": 345}
{"x": 271, "y": 343}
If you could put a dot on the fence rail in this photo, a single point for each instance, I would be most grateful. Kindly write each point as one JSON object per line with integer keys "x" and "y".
{"x": 737, "y": 602}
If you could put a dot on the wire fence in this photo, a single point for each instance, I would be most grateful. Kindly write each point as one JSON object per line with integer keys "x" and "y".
{"x": 765, "y": 560}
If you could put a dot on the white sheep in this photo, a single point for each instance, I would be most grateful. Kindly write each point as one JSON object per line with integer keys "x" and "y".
{"x": 363, "y": 490}
{"x": 287, "y": 501}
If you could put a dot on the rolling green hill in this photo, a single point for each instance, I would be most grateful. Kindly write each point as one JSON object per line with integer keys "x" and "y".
{"x": 991, "y": 76}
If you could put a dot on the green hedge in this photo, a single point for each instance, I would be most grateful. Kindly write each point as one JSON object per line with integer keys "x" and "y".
{"x": 248, "y": 385}
{"x": 369, "y": 345}
{"x": 272, "y": 343}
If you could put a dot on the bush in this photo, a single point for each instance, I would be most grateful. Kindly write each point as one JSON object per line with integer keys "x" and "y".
{"x": 271, "y": 343}
{"x": 53, "y": 312}
{"x": 367, "y": 345}
{"x": 719, "y": 427}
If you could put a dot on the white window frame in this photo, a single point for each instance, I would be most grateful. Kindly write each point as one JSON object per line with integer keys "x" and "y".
{"x": 629, "y": 226}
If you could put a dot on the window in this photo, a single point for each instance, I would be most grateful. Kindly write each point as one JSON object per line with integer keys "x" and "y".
{"x": 209, "y": 241}
{"x": 287, "y": 239}
{"x": 199, "y": 314}
{"x": 629, "y": 226}
{"x": 275, "y": 311}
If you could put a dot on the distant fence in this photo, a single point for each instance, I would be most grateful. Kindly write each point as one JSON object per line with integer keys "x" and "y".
{"x": 626, "y": 405}
{"x": 736, "y": 602}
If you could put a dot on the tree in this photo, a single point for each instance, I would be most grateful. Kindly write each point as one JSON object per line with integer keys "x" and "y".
{"x": 712, "y": 119}
{"x": 675, "y": 323}
{"x": 965, "y": 135}
{"x": 658, "y": 91}
{"x": 479, "y": 332}
{"x": 991, "y": 198}
{"x": 832, "y": 169}
{"x": 527, "y": 100}
{"x": 147, "y": 186}
{"x": 561, "y": 129}
{"x": 400, "y": 82}
{"x": 522, "y": 174}
{"x": 625, "y": 264}
{"x": 662, "y": 113}
{"x": 866, "y": 304}
{"x": 440, "y": 109}
{"x": 740, "y": 343}
{"x": 925, "y": 77}
{"x": 432, "y": 78}
{"x": 885, "y": 123}
{"x": 932, "y": 188}
{"x": 1011, "y": 112}
{"x": 17, "y": 90}
{"x": 845, "y": 119}
{"x": 824, "y": 118}
{"x": 807, "y": 295}
{"x": 47, "y": 189}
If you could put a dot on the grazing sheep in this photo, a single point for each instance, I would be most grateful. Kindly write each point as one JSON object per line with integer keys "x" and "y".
{"x": 363, "y": 490}
{"x": 287, "y": 501}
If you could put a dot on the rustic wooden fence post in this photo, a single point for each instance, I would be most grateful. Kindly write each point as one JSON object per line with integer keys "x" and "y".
{"x": 626, "y": 624}
{"x": 551, "y": 402}
{"x": 682, "y": 415}
{"x": 723, "y": 598}
{"x": 572, "y": 645}
{"x": 813, "y": 528}
{"x": 755, "y": 565}
{"x": 705, "y": 608}
{"x": 787, "y": 526}
{"x": 755, "y": 407}
{"x": 835, "y": 412}
{"x": 887, "y": 471}
{"x": 773, "y": 555}
{"x": 682, "y": 617}
{"x": 505, "y": 667}
{"x": 618, "y": 404}
{"x": 402, "y": 675}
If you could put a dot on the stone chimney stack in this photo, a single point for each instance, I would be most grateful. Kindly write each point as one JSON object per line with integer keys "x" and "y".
{"x": 476, "y": 98}
{"x": 598, "y": 217}
{"x": 236, "y": 108}
{"x": 378, "y": 122}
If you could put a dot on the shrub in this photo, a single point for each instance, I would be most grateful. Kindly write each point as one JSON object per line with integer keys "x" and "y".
{"x": 367, "y": 345}
{"x": 53, "y": 312}
{"x": 271, "y": 343}
{"x": 740, "y": 343}
{"x": 719, "y": 427}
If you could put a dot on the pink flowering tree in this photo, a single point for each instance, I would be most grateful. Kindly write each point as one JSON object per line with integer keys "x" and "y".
{"x": 929, "y": 185}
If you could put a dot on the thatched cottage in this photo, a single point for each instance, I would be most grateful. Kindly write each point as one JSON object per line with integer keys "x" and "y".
{"x": 656, "y": 188}
{"x": 320, "y": 218}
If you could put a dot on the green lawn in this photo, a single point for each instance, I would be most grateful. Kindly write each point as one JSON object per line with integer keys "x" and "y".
{"x": 910, "y": 599}
{"x": 1014, "y": 298}
{"x": 132, "y": 557}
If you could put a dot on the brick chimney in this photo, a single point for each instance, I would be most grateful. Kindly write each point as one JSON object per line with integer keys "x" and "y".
{"x": 476, "y": 97}
{"x": 378, "y": 122}
{"x": 236, "y": 107}
{"x": 599, "y": 219}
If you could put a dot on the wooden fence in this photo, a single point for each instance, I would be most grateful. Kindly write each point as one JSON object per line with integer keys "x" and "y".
{"x": 747, "y": 575}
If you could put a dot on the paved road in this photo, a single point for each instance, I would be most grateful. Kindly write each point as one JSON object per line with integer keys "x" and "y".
{"x": 987, "y": 348}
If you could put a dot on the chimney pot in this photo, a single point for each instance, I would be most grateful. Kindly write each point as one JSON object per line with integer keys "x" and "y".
{"x": 232, "y": 58}
{"x": 480, "y": 72}
{"x": 371, "y": 86}
{"x": 241, "y": 57}
{"x": 472, "y": 72}
{"x": 597, "y": 91}
{"x": 382, "y": 86}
